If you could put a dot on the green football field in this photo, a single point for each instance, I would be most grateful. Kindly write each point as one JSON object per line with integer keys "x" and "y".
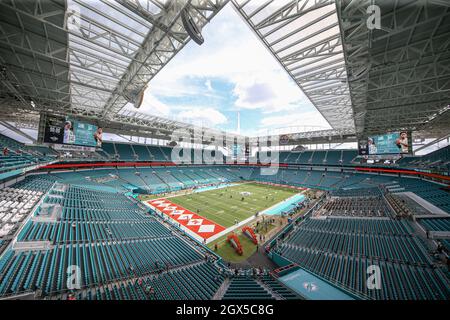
{"x": 225, "y": 205}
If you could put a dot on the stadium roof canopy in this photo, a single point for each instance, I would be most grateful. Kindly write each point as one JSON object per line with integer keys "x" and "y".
{"x": 399, "y": 74}
{"x": 304, "y": 36}
{"x": 90, "y": 59}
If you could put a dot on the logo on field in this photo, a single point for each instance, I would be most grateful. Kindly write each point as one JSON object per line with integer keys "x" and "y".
{"x": 310, "y": 286}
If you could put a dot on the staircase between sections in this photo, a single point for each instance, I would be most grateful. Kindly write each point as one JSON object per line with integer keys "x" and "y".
{"x": 222, "y": 289}
{"x": 274, "y": 294}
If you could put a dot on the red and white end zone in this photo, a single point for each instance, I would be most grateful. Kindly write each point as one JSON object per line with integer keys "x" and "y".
{"x": 200, "y": 227}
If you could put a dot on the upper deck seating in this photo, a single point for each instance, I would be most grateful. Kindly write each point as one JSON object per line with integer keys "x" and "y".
{"x": 125, "y": 152}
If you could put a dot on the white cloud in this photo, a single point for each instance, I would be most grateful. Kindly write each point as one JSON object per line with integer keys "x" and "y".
{"x": 239, "y": 58}
{"x": 234, "y": 54}
{"x": 270, "y": 91}
{"x": 253, "y": 95}
{"x": 152, "y": 105}
{"x": 204, "y": 116}
{"x": 209, "y": 85}
{"x": 171, "y": 83}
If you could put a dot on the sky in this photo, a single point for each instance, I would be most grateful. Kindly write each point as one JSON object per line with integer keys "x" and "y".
{"x": 231, "y": 71}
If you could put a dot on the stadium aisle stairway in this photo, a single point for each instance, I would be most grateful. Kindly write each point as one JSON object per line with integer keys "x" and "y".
{"x": 245, "y": 288}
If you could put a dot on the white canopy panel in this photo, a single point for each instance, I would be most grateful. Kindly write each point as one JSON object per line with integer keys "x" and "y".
{"x": 304, "y": 36}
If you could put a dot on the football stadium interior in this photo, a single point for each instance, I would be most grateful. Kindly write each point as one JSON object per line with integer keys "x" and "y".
{"x": 100, "y": 200}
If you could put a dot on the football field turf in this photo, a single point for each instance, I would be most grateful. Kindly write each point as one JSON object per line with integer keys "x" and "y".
{"x": 225, "y": 205}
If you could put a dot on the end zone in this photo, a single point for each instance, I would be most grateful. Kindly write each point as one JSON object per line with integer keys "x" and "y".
{"x": 199, "y": 227}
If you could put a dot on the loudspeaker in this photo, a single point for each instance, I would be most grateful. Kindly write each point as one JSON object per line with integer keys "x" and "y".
{"x": 191, "y": 27}
{"x": 139, "y": 98}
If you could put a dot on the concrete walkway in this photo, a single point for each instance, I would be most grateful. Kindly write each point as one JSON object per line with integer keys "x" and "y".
{"x": 258, "y": 259}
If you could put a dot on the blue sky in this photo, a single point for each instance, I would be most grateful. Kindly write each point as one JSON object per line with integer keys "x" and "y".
{"x": 231, "y": 71}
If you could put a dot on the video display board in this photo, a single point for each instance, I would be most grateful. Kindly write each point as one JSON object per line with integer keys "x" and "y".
{"x": 390, "y": 143}
{"x": 67, "y": 131}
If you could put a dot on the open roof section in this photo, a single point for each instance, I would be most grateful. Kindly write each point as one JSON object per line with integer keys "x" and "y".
{"x": 304, "y": 36}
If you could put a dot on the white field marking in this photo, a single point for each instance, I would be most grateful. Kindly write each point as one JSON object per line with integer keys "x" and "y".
{"x": 224, "y": 232}
{"x": 182, "y": 192}
{"x": 217, "y": 218}
{"x": 276, "y": 204}
{"x": 229, "y": 217}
